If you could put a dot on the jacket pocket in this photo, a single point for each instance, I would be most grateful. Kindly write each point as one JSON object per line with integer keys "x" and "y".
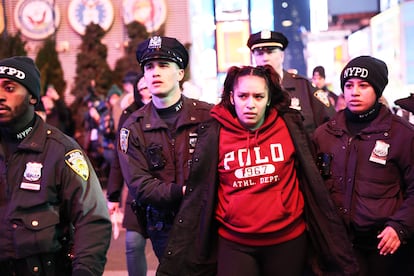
{"x": 375, "y": 201}
{"x": 36, "y": 232}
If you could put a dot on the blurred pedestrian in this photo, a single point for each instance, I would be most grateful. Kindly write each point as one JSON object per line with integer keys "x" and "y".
{"x": 58, "y": 113}
{"x": 134, "y": 220}
{"x": 328, "y": 97}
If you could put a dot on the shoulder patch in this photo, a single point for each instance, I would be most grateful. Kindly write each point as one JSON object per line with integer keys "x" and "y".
{"x": 77, "y": 162}
{"x": 322, "y": 96}
{"x": 123, "y": 139}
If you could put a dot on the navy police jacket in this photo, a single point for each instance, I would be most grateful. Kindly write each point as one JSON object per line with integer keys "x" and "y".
{"x": 156, "y": 162}
{"x": 371, "y": 178}
{"x": 48, "y": 187}
{"x": 304, "y": 98}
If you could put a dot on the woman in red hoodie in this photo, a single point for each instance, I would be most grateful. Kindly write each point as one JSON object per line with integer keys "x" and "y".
{"x": 254, "y": 198}
{"x": 260, "y": 206}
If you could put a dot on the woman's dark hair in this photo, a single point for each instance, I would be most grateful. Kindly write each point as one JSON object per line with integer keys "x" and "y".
{"x": 279, "y": 98}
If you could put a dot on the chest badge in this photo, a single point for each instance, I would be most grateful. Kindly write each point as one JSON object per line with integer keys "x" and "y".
{"x": 192, "y": 141}
{"x": 123, "y": 139}
{"x": 32, "y": 175}
{"x": 295, "y": 103}
{"x": 380, "y": 152}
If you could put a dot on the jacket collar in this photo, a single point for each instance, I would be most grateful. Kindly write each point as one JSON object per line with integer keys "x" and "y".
{"x": 36, "y": 139}
{"x": 337, "y": 125}
{"x": 189, "y": 115}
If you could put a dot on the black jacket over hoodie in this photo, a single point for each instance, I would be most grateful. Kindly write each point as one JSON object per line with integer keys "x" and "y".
{"x": 191, "y": 249}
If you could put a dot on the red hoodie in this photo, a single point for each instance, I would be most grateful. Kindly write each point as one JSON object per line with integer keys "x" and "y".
{"x": 259, "y": 201}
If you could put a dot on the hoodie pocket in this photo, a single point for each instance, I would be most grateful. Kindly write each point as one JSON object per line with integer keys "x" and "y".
{"x": 252, "y": 213}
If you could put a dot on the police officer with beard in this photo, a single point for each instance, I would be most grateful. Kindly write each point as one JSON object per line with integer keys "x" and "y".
{"x": 52, "y": 210}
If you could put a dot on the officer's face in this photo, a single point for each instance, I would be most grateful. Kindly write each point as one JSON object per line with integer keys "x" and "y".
{"x": 272, "y": 56}
{"x": 250, "y": 98}
{"x": 359, "y": 95}
{"x": 163, "y": 77}
{"x": 16, "y": 104}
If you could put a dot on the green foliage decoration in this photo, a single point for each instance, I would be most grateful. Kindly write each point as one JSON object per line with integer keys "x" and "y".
{"x": 51, "y": 71}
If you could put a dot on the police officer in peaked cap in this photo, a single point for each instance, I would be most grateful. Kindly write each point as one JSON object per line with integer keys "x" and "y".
{"x": 268, "y": 47}
{"x": 156, "y": 147}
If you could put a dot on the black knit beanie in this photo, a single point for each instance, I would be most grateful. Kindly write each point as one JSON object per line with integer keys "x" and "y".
{"x": 22, "y": 70}
{"x": 367, "y": 68}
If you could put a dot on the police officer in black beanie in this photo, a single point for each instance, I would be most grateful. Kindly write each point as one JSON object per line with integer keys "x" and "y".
{"x": 53, "y": 213}
{"x": 369, "y": 171}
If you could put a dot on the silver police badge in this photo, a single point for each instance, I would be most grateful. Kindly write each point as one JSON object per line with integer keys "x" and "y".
{"x": 192, "y": 140}
{"x": 123, "y": 139}
{"x": 155, "y": 42}
{"x": 295, "y": 103}
{"x": 380, "y": 152}
{"x": 31, "y": 176}
{"x": 33, "y": 171}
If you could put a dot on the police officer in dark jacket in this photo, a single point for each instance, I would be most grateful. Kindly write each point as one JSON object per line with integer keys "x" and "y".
{"x": 268, "y": 48}
{"x": 366, "y": 157}
{"x": 157, "y": 141}
{"x": 52, "y": 209}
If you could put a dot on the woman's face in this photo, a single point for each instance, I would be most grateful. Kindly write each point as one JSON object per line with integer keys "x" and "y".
{"x": 359, "y": 95}
{"x": 250, "y": 98}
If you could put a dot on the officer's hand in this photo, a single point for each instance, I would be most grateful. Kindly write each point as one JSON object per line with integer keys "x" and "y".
{"x": 389, "y": 241}
{"x": 112, "y": 207}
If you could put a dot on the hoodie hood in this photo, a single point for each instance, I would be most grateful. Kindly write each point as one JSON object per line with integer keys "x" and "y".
{"x": 236, "y": 134}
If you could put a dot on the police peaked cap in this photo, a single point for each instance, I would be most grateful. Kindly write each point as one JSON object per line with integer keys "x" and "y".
{"x": 266, "y": 39}
{"x": 160, "y": 47}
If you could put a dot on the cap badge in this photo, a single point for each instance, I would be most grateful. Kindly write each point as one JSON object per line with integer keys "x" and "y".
{"x": 265, "y": 34}
{"x": 155, "y": 42}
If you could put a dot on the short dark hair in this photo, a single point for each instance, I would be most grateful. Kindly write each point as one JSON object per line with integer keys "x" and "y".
{"x": 320, "y": 70}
